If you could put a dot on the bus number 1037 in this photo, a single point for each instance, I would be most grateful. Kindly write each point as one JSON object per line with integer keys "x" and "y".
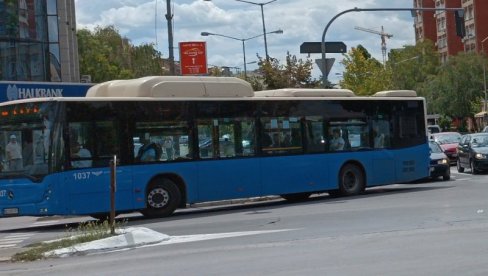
{"x": 82, "y": 175}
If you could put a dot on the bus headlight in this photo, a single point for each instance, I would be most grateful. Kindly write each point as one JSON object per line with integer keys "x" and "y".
{"x": 480, "y": 156}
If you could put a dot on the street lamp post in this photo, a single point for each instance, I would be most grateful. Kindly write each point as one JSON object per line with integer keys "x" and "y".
{"x": 264, "y": 25}
{"x": 484, "y": 76}
{"x": 169, "y": 18}
{"x": 243, "y": 40}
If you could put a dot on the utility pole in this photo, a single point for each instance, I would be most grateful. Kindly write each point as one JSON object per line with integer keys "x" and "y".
{"x": 169, "y": 18}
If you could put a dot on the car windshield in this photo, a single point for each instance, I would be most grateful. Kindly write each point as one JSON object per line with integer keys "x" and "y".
{"x": 434, "y": 147}
{"x": 447, "y": 138}
{"x": 479, "y": 141}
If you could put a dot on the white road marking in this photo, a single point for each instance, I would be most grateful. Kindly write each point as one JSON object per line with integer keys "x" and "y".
{"x": 13, "y": 240}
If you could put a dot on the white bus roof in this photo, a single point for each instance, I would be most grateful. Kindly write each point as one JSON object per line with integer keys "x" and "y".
{"x": 396, "y": 93}
{"x": 173, "y": 86}
{"x": 305, "y": 92}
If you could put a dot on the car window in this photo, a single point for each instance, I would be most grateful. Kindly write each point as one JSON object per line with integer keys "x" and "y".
{"x": 434, "y": 147}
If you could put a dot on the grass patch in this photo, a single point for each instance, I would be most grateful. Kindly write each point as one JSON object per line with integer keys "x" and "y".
{"x": 85, "y": 232}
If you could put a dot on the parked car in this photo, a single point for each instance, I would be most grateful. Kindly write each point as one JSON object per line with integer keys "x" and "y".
{"x": 449, "y": 142}
{"x": 431, "y": 129}
{"x": 473, "y": 152}
{"x": 439, "y": 163}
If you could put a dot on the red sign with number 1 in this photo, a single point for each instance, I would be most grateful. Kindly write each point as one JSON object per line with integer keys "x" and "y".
{"x": 193, "y": 58}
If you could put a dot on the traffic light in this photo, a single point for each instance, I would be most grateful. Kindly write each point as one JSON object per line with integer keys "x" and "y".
{"x": 459, "y": 18}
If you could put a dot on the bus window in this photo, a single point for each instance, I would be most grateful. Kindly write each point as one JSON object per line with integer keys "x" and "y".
{"x": 284, "y": 135}
{"x": 314, "y": 132}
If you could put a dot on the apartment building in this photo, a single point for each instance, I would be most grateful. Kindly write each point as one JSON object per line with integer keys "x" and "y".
{"x": 440, "y": 26}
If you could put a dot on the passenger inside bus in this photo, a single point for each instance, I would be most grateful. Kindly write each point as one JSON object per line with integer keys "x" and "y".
{"x": 337, "y": 142}
{"x": 78, "y": 152}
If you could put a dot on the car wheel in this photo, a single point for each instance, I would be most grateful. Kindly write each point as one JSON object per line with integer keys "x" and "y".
{"x": 351, "y": 180}
{"x": 473, "y": 169}
{"x": 447, "y": 175}
{"x": 162, "y": 198}
{"x": 459, "y": 167}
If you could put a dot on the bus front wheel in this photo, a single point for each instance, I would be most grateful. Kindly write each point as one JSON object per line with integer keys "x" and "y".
{"x": 162, "y": 198}
{"x": 351, "y": 180}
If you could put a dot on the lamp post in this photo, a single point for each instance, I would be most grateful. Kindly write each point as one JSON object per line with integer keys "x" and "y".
{"x": 243, "y": 40}
{"x": 484, "y": 74}
{"x": 169, "y": 18}
{"x": 264, "y": 25}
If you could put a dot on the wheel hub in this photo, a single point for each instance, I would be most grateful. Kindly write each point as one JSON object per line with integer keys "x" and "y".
{"x": 158, "y": 198}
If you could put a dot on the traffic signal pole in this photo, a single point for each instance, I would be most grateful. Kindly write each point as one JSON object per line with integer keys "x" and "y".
{"x": 459, "y": 12}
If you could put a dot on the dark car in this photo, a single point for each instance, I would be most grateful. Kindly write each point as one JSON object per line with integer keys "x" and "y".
{"x": 449, "y": 142}
{"x": 439, "y": 163}
{"x": 473, "y": 152}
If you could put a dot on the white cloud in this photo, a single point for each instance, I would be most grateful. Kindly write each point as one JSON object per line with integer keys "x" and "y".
{"x": 144, "y": 21}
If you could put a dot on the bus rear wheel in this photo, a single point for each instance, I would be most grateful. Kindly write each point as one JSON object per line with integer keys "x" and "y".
{"x": 162, "y": 198}
{"x": 351, "y": 180}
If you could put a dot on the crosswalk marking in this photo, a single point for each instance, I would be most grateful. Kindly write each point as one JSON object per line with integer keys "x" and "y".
{"x": 13, "y": 240}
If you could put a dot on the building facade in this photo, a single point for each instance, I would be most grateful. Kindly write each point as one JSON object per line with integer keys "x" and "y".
{"x": 38, "y": 41}
{"x": 440, "y": 26}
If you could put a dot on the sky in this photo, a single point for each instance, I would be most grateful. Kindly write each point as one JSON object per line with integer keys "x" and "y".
{"x": 143, "y": 21}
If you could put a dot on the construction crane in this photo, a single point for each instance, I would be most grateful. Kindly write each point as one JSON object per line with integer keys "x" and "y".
{"x": 383, "y": 35}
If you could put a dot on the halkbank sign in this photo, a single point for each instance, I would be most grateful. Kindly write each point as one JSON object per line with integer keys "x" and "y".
{"x": 17, "y": 90}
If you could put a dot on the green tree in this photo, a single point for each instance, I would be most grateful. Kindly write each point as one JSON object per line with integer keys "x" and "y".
{"x": 294, "y": 73}
{"x": 411, "y": 66}
{"x": 457, "y": 90}
{"x": 106, "y": 55}
{"x": 364, "y": 75}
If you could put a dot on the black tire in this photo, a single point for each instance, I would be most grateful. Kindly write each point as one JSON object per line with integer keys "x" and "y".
{"x": 162, "y": 198}
{"x": 296, "y": 197}
{"x": 447, "y": 175}
{"x": 472, "y": 167}
{"x": 351, "y": 180}
{"x": 459, "y": 167}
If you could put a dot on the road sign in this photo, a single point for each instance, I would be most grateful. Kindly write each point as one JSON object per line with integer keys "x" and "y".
{"x": 325, "y": 70}
{"x": 316, "y": 47}
{"x": 193, "y": 58}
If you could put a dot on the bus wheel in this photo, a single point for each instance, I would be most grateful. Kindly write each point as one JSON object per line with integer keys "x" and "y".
{"x": 296, "y": 197}
{"x": 351, "y": 180}
{"x": 162, "y": 198}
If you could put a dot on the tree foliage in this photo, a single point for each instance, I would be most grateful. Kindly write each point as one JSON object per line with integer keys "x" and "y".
{"x": 364, "y": 75}
{"x": 457, "y": 89}
{"x": 294, "y": 73}
{"x": 106, "y": 55}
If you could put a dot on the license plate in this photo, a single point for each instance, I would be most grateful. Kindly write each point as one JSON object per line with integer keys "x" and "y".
{"x": 11, "y": 211}
{"x": 432, "y": 169}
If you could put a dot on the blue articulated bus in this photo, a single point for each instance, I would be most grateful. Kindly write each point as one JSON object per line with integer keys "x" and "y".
{"x": 184, "y": 140}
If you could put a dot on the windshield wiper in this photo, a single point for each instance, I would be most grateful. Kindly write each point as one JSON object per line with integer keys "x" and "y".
{"x": 23, "y": 174}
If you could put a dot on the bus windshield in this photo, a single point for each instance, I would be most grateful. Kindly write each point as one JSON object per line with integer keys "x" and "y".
{"x": 25, "y": 138}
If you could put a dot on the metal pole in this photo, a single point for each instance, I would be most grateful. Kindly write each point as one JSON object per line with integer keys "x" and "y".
{"x": 484, "y": 75}
{"x": 324, "y": 60}
{"x": 264, "y": 32}
{"x": 169, "y": 18}
{"x": 244, "y": 54}
{"x": 113, "y": 185}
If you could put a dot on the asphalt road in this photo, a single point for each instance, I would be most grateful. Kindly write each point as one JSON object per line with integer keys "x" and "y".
{"x": 432, "y": 228}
